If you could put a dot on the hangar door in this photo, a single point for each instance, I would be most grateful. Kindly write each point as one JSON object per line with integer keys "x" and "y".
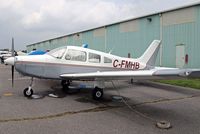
{"x": 180, "y": 55}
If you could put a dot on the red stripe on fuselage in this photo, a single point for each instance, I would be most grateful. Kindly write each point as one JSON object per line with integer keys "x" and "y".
{"x": 61, "y": 64}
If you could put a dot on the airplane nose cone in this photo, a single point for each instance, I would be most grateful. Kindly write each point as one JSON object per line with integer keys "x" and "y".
{"x": 10, "y": 61}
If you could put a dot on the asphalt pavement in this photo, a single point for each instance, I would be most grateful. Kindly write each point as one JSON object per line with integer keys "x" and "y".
{"x": 143, "y": 105}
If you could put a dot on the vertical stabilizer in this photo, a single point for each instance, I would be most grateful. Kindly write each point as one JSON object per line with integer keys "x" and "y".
{"x": 149, "y": 56}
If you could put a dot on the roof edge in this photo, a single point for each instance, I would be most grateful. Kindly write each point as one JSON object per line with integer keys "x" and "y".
{"x": 125, "y": 20}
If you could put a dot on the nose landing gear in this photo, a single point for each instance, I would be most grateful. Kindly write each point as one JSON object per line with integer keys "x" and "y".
{"x": 28, "y": 92}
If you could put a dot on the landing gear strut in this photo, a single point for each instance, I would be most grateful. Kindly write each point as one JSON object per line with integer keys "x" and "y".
{"x": 28, "y": 92}
{"x": 65, "y": 85}
{"x": 97, "y": 92}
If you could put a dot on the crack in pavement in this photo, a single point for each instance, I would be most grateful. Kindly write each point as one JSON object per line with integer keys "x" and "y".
{"x": 96, "y": 109}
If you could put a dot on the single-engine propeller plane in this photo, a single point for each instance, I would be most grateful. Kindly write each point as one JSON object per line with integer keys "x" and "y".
{"x": 70, "y": 63}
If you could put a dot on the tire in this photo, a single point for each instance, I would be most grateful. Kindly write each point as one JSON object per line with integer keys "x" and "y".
{"x": 65, "y": 85}
{"x": 63, "y": 82}
{"x": 97, "y": 93}
{"x": 65, "y": 88}
{"x": 28, "y": 94}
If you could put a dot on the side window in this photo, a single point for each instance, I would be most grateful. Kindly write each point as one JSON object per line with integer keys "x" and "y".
{"x": 107, "y": 60}
{"x": 75, "y": 55}
{"x": 58, "y": 54}
{"x": 95, "y": 58}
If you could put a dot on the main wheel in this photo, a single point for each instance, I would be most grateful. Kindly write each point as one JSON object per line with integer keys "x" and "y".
{"x": 63, "y": 82}
{"x": 65, "y": 88}
{"x": 97, "y": 93}
{"x": 65, "y": 85}
{"x": 27, "y": 92}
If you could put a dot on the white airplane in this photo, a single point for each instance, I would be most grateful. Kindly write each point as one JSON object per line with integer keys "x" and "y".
{"x": 77, "y": 63}
{"x": 4, "y": 55}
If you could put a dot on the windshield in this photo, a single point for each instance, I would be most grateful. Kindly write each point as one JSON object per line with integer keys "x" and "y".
{"x": 58, "y": 52}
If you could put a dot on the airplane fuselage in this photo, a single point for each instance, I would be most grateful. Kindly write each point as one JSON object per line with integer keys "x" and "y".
{"x": 73, "y": 60}
{"x": 77, "y": 63}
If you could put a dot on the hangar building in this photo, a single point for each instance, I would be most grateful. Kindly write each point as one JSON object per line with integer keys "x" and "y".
{"x": 179, "y": 30}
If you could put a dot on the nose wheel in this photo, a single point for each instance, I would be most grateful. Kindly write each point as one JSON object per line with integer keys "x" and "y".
{"x": 28, "y": 92}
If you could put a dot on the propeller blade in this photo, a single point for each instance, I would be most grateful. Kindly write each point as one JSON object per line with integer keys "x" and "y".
{"x": 12, "y": 68}
{"x": 13, "y": 55}
{"x": 12, "y": 49}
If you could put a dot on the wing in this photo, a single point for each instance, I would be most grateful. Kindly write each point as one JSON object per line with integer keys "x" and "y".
{"x": 157, "y": 73}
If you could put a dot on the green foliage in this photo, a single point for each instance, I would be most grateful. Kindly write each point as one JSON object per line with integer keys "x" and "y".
{"x": 192, "y": 83}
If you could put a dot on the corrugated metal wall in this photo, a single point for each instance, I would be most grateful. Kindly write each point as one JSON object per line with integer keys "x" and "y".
{"x": 181, "y": 27}
{"x": 178, "y": 27}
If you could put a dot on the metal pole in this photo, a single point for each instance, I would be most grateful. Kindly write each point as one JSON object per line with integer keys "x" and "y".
{"x": 161, "y": 38}
{"x": 105, "y": 39}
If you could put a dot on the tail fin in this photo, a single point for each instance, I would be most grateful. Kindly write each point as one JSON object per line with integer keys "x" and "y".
{"x": 149, "y": 56}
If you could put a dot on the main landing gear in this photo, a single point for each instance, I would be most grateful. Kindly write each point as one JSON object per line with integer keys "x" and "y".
{"x": 97, "y": 92}
{"x": 28, "y": 92}
{"x": 65, "y": 85}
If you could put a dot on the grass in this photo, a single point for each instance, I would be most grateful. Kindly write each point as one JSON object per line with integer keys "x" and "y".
{"x": 192, "y": 83}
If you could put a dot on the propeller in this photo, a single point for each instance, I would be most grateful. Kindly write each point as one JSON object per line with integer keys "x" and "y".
{"x": 12, "y": 68}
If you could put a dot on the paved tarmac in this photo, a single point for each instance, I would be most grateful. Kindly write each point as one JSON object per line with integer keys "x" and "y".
{"x": 77, "y": 113}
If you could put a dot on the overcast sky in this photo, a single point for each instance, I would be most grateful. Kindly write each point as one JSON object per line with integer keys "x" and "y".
{"x": 30, "y": 21}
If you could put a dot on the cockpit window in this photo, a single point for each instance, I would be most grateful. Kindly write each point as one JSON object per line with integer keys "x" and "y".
{"x": 75, "y": 55}
{"x": 57, "y": 53}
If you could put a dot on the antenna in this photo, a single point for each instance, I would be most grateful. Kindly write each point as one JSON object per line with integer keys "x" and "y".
{"x": 111, "y": 50}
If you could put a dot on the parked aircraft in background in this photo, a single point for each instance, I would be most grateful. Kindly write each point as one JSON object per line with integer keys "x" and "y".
{"x": 4, "y": 55}
{"x": 77, "y": 63}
